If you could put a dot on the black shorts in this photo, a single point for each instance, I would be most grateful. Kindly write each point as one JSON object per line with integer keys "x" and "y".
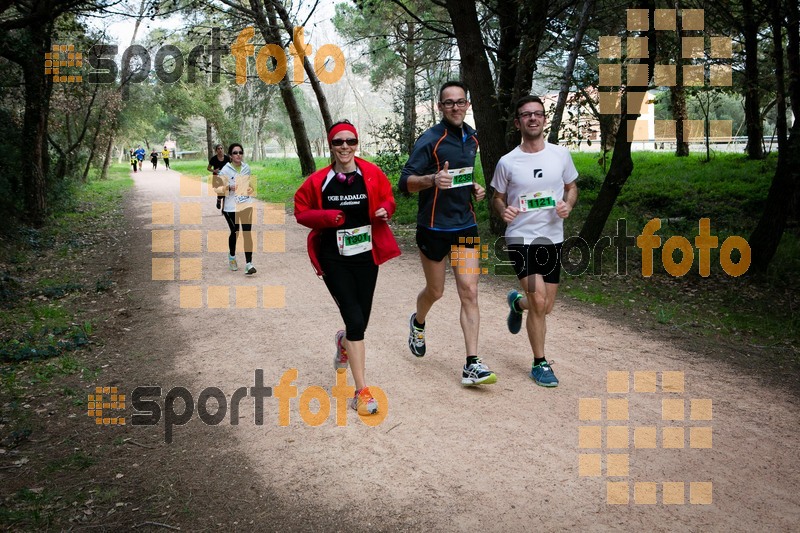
{"x": 530, "y": 259}
{"x": 436, "y": 245}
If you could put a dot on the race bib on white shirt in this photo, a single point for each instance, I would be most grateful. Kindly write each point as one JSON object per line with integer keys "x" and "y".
{"x": 354, "y": 241}
{"x": 243, "y": 185}
{"x": 537, "y": 200}
{"x": 462, "y": 177}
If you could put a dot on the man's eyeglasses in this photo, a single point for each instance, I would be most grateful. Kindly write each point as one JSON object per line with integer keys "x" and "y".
{"x": 527, "y": 114}
{"x": 237, "y": 153}
{"x": 350, "y": 142}
{"x": 450, "y": 104}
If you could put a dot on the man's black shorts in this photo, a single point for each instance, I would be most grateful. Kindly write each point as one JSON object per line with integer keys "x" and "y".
{"x": 436, "y": 245}
{"x": 529, "y": 259}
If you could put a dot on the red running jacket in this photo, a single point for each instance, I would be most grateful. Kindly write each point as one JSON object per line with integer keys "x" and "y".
{"x": 308, "y": 211}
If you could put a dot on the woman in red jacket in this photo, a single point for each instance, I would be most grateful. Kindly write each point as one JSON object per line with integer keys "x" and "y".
{"x": 347, "y": 205}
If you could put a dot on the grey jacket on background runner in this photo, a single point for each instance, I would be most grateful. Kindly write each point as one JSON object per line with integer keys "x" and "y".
{"x": 443, "y": 209}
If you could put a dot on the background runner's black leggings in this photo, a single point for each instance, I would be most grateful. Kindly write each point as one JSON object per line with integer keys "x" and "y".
{"x": 352, "y": 287}
{"x": 243, "y": 215}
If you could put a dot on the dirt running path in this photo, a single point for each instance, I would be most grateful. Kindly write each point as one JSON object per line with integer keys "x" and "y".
{"x": 500, "y": 458}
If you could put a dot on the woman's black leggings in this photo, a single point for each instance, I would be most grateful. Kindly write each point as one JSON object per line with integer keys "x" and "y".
{"x": 352, "y": 287}
{"x": 234, "y": 220}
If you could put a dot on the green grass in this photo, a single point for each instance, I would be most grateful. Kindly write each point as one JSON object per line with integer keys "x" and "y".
{"x": 75, "y": 461}
{"x": 38, "y": 319}
{"x": 33, "y": 509}
{"x": 730, "y": 189}
{"x": 42, "y": 333}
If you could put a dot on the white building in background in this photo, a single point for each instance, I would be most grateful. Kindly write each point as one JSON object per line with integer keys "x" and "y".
{"x": 581, "y": 119}
{"x": 645, "y": 133}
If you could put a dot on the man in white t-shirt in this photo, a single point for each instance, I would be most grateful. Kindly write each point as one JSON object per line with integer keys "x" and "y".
{"x": 535, "y": 191}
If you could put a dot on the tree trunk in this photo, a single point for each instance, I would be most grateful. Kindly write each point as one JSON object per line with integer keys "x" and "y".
{"x": 304, "y": 153}
{"x": 566, "y": 80}
{"x": 109, "y": 151}
{"x": 621, "y": 162}
{"x": 269, "y": 30}
{"x": 38, "y": 88}
{"x": 209, "y": 138}
{"x": 767, "y": 235}
{"x": 532, "y": 20}
{"x": 677, "y": 94}
{"x": 508, "y": 15}
{"x": 618, "y": 173}
{"x": 522, "y": 83}
{"x": 26, "y": 47}
{"x": 780, "y": 78}
{"x": 409, "y": 92}
{"x": 489, "y": 117}
{"x": 752, "y": 107}
{"x": 61, "y": 163}
{"x": 316, "y": 86}
{"x": 93, "y": 145}
{"x": 322, "y": 100}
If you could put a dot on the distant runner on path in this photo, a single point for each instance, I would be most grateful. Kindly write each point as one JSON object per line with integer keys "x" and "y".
{"x": 165, "y": 156}
{"x": 139, "y": 153}
{"x": 215, "y": 164}
{"x": 238, "y": 206}
{"x": 154, "y": 158}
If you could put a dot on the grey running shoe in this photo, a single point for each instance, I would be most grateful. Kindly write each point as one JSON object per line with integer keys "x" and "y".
{"x": 416, "y": 337}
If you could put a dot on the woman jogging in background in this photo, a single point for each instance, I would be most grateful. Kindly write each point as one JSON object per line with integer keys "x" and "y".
{"x": 215, "y": 164}
{"x": 238, "y": 205}
{"x": 154, "y": 158}
{"x": 165, "y": 156}
{"x": 134, "y": 162}
{"x": 347, "y": 205}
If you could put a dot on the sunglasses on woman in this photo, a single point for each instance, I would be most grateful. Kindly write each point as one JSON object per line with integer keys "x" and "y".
{"x": 237, "y": 153}
{"x": 339, "y": 142}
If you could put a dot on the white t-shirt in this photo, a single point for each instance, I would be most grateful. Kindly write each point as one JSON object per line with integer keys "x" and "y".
{"x": 233, "y": 198}
{"x": 534, "y": 183}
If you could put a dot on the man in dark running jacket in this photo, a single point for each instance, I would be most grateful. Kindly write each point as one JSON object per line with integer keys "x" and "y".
{"x": 440, "y": 169}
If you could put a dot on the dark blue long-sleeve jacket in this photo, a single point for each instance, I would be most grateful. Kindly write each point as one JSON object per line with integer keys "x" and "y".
{"x": 443, "y": 209}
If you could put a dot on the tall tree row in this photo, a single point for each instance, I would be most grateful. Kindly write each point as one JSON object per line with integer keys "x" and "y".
{"x": 498, "y": 75}
{"x": 785, "y": 188}
{"x": 404, "y": 43}
{"x": 26, "y": 30}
